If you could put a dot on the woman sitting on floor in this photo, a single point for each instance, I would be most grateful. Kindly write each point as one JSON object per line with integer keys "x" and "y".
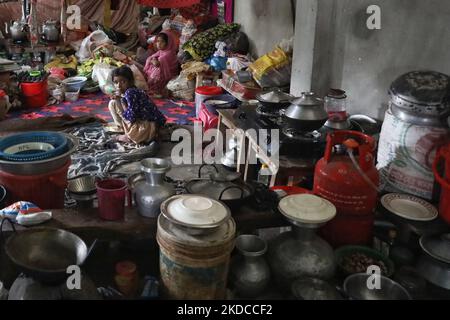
{"x": 162, "y": 66}
{"x": 132, "y": 109}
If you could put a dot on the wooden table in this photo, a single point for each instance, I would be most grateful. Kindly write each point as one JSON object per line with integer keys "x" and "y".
{"x": 136, "y": 227}
{"x": 247, "y": 144}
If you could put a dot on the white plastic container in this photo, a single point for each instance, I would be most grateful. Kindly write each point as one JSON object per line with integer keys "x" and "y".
{"x": 203, "y": 93}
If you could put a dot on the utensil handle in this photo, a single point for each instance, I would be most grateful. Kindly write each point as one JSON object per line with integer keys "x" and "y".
{"x": 91, "y": 248}
{"x": 204, "y": 165}
{"x": 232, "y": 187}
{"x": 438, "y": 177}
{"x": 1, "y": 227}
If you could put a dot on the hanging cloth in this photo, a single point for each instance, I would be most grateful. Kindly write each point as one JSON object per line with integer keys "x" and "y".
{"x": 107, "y": 14}
{"x": 168, "y": 3}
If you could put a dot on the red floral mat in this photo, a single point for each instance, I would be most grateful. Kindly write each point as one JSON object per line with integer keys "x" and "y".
{"x": 96, "y": 104}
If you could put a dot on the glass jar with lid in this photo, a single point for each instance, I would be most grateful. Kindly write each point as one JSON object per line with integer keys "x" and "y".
{"x": 336, "y": 105}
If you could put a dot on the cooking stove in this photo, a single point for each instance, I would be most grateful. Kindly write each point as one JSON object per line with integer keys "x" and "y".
{"x": 293, "y": 142}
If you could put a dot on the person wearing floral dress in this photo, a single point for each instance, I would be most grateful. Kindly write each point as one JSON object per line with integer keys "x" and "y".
{"x": 132, "y": 109}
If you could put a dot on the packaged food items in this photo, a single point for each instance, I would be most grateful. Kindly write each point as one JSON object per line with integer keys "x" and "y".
{"x": 25, "y": 213}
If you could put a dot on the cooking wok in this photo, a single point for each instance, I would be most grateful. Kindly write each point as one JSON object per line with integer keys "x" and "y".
{"x": 45, "y": 253}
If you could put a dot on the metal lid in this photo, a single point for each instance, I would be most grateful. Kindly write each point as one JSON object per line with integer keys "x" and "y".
{"x": 274, "y": 96}
{"x": 336, "y": 94}
{"x": 437, "y": 246}
{"x": 308, "y": 99}
{"x": 423, "y": 89}
{"x": 307, "y": 208}
{"x": 314, "y": 289}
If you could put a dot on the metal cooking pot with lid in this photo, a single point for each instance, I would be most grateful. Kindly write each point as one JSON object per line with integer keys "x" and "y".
{"x": 306, "y": 113}
{"x": 421, "y": 98}
{"x": 434, "y": 264}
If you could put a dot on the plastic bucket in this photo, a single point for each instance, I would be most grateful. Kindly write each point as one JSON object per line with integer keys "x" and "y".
{"x": 44, "y": 190}
{"x": 443, "y": 155}
{"x": 111, "y": 194}
{"x": 194, "y": 267}
{"x": 35, "y": 94}
{"x": 203, "y": 93}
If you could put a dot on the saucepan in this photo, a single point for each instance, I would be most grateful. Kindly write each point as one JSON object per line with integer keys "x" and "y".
{"x": 45, "y": 253}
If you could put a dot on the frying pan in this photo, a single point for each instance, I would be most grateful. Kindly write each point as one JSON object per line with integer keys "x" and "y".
{"x": 45, "y": 253}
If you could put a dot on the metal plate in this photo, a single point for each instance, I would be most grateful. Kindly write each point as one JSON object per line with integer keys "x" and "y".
{"x": 409, "y": 207}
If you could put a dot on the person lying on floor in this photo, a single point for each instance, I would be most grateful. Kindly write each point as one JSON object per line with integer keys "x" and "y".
{"x": 132, "y": 109}
{"x": 162, "y": 66}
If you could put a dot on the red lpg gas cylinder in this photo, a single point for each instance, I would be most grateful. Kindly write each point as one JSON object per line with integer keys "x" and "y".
{"x": 443, "y": 155}
{"x": 351, "y": 188}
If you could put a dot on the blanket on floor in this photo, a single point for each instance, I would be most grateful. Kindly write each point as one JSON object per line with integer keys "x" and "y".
{"x": 99, "y": 153}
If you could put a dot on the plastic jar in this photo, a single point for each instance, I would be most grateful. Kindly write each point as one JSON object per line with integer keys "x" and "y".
{"x": 126, "y": 278}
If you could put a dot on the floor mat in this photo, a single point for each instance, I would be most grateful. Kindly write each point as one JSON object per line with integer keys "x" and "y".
{"x": 96, "y": 104}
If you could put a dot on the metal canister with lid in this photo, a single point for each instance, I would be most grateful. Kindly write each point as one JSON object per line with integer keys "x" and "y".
{"x": 421, "y": 98}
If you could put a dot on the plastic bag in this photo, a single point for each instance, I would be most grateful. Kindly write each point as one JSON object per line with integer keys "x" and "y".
{"x": 91, "y": 42}
{"x": 180, "y": 83}
{"x": 272, "y": 69}
{"x": 102, "y": 73}
{"x": 220, "y": 52}
{"x": 238, "y": 63}
{"x": 238, "y": 43}
{"x": 217, "y": 63}
{"x": 25, "y": 213}
{"x": 139, "y": 79}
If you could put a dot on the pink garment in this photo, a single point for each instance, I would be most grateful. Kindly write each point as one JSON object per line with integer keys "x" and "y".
{"x": 158, "y": 77}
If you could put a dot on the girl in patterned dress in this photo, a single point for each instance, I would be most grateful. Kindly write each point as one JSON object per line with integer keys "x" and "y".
{"x": 132, "y": 109}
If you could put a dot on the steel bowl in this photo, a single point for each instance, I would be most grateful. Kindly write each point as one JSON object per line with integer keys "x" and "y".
{"x": 356, "y": 287}
{"x": 82, "y": 185}
{"x": 29, "y": 168}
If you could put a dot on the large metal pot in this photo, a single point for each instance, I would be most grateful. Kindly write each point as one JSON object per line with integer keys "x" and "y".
{"x": 434, "y": 264}
{"x": 226, "y": 188}
{"x": 306, "y": 113}
{"x": 45, "y": 253}
{"x": 421, "y": 98}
